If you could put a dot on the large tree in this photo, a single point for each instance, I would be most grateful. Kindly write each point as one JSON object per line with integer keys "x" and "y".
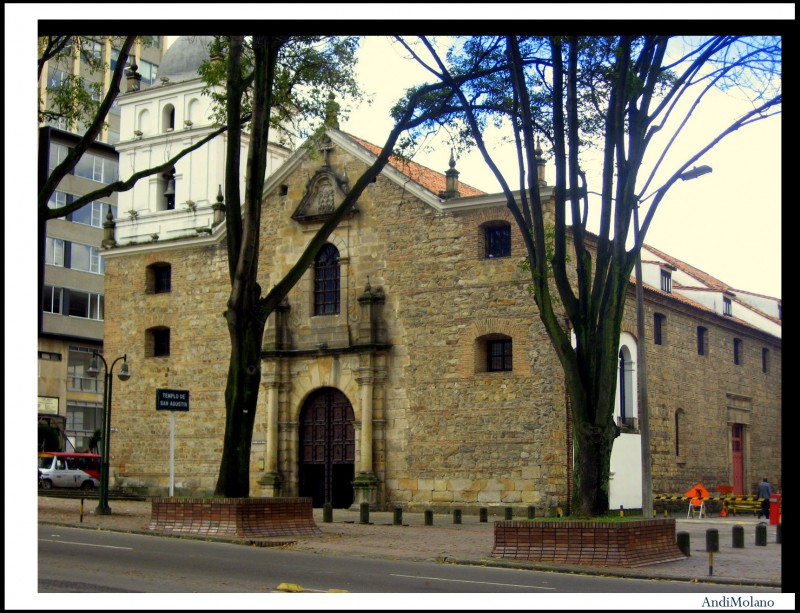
{"x": 259, "y": 83}
{"x": 615, "y": 93}
{"x": 275, "y": 79}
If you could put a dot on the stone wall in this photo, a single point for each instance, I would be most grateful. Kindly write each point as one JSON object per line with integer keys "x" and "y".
{"x": 711, "y": 393}
{"x": 446, "y": 434}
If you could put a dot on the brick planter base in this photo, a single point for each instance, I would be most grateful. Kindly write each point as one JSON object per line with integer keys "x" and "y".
{"x": 628, "y": 544}
{"x": 234, "y": 517}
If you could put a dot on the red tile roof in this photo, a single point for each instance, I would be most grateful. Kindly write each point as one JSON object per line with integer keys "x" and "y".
{"x": 713, "y": 285}
{"x": 434, "y": 182}
{"x": 704, "y": 278}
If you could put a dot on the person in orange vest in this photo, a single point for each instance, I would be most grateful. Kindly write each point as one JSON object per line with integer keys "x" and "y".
{"x": 764, "y": 491}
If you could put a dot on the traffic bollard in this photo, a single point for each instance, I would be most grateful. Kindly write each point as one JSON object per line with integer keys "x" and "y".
{"x": 737, "y": 535}
{"x": 509, "y": 513}
{"x": 428, "y": 517}
{"x": 364, "y": 513}
{"x": 761, "y": 534}
{"x": 682, "y": 539}
{"x": 484, "y": 514}
{"x": 327, "y": 512}
{"x": 531, "y": 512}
{"x": 456, "y": 516}
{"x": 712, "y": 539}
{"x": 397, "y": 519}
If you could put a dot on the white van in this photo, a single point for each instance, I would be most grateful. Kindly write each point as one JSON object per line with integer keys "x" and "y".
{"x": 73, "y": 470}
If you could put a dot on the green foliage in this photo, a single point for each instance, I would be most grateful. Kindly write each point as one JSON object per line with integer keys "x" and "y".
{"x": 74, "y": 99}
{"x": 309, "y": 69}
{"x": 49, "y": 438}
{"x": 94, "y": 441}
{"x": 549, "y": 249}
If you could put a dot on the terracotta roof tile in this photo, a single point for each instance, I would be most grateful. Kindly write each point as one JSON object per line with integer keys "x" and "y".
{"x": 713, "y": 284}
{"x": 690, "y": 270}
{"x": 434, "y": 182}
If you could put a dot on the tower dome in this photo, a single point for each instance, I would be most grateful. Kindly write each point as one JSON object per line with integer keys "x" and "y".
{"x": 183, "y": 58}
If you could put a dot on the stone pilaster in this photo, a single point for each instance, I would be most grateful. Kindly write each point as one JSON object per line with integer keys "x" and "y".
{"x": 271, "y": 480}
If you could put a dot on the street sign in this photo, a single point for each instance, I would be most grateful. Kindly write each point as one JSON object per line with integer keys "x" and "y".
{"x": 172, "y": 400}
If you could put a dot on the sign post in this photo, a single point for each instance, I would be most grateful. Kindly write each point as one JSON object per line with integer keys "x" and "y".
{"x": 172, "y": 400}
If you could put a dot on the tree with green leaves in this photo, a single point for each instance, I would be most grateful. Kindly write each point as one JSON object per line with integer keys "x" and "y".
{"x": 615, "y": 94}
{"x": 259, "y": 83}
{"x": 273, "y": 80}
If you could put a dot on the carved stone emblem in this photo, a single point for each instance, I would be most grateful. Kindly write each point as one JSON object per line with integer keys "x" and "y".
{"x": 324, "y": 192}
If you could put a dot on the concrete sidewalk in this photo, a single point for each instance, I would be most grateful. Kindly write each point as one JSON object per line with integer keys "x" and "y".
{"x": 470, "y": 542}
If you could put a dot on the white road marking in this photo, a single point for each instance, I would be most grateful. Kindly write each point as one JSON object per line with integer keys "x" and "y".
{"x": 532, "y": 587}
{"x": 84, "y": 544}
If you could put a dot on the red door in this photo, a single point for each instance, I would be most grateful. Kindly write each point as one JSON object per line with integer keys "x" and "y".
{"x": 737, "y": 442}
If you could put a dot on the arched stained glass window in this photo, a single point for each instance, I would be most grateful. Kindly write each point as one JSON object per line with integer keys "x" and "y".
{"x": 326, "y": 281}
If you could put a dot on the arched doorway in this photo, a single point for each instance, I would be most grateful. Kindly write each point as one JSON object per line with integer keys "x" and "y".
{"x": 327, "y": 449}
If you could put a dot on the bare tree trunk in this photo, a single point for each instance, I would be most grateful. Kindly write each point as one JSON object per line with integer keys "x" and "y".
{"x": 241, "y": 396}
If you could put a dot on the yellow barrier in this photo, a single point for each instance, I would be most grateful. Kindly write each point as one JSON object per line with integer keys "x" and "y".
{"x": 730, "y": 504}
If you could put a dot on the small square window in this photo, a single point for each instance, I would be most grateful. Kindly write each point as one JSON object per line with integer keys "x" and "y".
{"x": 498, "y": 355}
{"x": 498, "y": 241}
{"x": 157, "y": 342}
{"x": 159, "y": 278}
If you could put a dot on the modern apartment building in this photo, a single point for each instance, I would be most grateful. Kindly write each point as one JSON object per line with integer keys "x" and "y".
{"x": 71, "y": 318}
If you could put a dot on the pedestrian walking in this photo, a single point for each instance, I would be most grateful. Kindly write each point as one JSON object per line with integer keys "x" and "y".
{"x": 764, "y": 491}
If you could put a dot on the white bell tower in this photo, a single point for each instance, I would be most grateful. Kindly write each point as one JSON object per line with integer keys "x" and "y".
{"x": 156, "y": 124}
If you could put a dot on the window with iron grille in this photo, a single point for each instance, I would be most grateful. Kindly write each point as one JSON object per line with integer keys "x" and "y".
{"x": 163, "y": 279}
{"x": 702, "y": 340}
{"x": 497, "y": 240}
{"x": 158, "y": 278}
{"x": 658, "y": 328}
{"x": 498, "y": 355}
{"x": 326, "y": 281}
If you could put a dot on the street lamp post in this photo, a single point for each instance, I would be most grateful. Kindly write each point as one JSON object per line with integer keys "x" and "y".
{"x": 108, "y": 377}
{"x": 641, "y": 355}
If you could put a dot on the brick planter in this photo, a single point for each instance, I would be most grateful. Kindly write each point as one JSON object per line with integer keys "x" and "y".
{"x": 627, "y": 544}
{"x": 234, "y": 517}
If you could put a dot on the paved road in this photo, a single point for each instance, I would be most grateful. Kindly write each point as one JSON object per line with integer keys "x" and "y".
{"x": 471, "y": 542}
{"x": 80, "y": 560}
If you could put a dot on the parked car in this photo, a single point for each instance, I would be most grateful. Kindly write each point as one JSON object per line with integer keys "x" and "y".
{"x": 72, "y": 470}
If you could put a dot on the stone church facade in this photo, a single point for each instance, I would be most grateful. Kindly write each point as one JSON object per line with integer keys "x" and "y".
{"x": 408, "y": 367}
{"x": 381, "y": 379}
